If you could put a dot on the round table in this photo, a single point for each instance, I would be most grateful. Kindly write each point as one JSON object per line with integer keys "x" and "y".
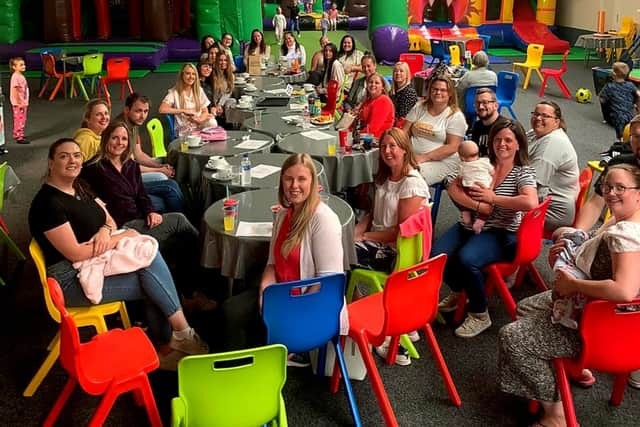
{"x": 274, "y": 125}
{"x": 235, "y": 255}
{"x": 213, "y": 189}
{"x": 342, "y": 170}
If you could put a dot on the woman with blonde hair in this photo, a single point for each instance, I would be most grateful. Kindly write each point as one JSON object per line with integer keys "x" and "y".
{"x": 306, "y": 242}
{"x": 403, "y": 94}
{"x": 96, "y": 118}
{"x": 376, "y": 113}
{"x": 187, "y": 102}
{"x": 436, "y": 126}
{"x": 222, "y": 80}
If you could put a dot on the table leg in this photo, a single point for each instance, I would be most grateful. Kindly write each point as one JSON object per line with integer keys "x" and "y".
{"x": 229, "y": 287}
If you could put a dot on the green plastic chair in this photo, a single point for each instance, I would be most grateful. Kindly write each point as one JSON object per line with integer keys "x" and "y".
{"x": 235, "y": 389}
{"x": 91, "y": 69}
{"x": 4, "y": 230}
{"x": 156, "y": 132}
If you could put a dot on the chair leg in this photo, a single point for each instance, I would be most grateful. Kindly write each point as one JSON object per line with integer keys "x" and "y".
{"x": 513, "y": 114}
{"x": 408, "y": 345}
{"x": 44, "y": 369}
{"x": 442, "y": 365}
{"x": 124, "y": 315}
{"x": 130, "y": 87}
{"x": 526, "y": 79}
{"x": 619, "y": 386}
{"x": 12, "y": 245}
{"x": 537, "y": 70}
{"x": 564, "y": 389}
{"x": 536, "y": 276}
{"x": 44, "y": 87}
{"x": 55, "y": 90}
{"x": 347, "y": 382}
{"x": 104, "y": 408}
{"x": 543, "y": 86}
{"x": 563, "y": 87}
{"x": 460, "y": 309}
{"x": 60, "y": 402}
{"x": 504, "y": 292}
{"x": 150, "y": 403}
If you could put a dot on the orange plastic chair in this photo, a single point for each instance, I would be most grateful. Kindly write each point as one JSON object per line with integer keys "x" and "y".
{"x": 557, "y": 75}
{"x": 49, "y": 66}
{"x": 532, "y": 63}
{"x": 117, "y": 71}
{"x": 408, "y": 302}
{"x": 529, "y": 245}
{"x": 415, "y": 61}
{"x": 584, "y": 180}
{"x": 112, "y": 363}
{"x": 610, "y": 336}
{"x": 82, "y": 316}
{"x": 332, "y": 98}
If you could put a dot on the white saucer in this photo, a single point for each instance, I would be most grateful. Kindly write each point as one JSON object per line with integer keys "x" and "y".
{"x": 217, "y": 177}
{"x": 243, "y": 106}
{"x": 198, "y": 145}
{"x": 250, "y": 89}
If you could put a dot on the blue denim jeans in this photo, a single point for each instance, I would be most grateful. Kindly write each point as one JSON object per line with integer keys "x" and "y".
{"x": 165, "y": 195}
{"x": 153, "y": 284}
{"x": 467, "y": 254}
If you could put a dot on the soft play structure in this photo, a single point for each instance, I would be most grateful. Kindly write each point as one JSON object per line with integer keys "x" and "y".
{"x": 509, "y": 23}
{"x": 354, "y": 16}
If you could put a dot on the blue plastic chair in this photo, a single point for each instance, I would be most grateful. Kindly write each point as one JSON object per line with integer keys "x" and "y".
{"x": 469, "y": 102}
{"x": 308, "y": 321}
{"x": 438, "y": 51}
{"x": 506, "y": 91}
{"x": 435, "y": 202}
{"x": 486, "y": 38}
{"x": 172, "y": 126}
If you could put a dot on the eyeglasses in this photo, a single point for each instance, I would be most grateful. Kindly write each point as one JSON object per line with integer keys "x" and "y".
{"x": 484, "y": 103}
{"x": 616, "y": 188}
{"x": 437, "y": 89}
{"x": 543, "y": 116}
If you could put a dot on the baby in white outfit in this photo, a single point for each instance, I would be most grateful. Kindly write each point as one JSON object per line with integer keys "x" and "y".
{"x": 473, "y": 170}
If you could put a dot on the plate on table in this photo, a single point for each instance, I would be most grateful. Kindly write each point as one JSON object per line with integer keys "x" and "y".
{"x": 322, "y": 120}
{"x": 221, "y": 177}
{"x": 250, "y": 88}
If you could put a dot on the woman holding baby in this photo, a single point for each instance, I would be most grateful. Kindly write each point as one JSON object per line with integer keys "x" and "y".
{"x": 610, "y": 264}
{"x": 436, "y": 126}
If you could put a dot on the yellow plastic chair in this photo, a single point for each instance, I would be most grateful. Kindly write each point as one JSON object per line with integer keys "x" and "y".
{"x": 4, "y": 231}
{"x": 156, "y": 132}
{"x": 628, "y": 31}
{"x": 454, "y": 52}
{"x": 82, "y": 316}
{"x": 532, "y": 63}
{"x": 595, "y": 167}
{"x": 91, "y": 69}
{"x": 237, "y": 388}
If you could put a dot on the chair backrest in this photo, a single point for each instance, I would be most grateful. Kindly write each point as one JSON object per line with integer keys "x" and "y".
{"x": 474, "y": 46}
{"x": 92, "y": 63}
{"x": 171, "y": 123}
{"x": 118, "y": 68}
{"x": 332, "y": 96}
{"x": 410, "y": 296}
{"x": 486, "y": 38}
{"x": 156, "y": 132}
{"x": 470, "y": 100}
{"x": 3, "y": 173}
{"x": 534, "y": 54}
{"x": 237, "y": 388}
{"x": 69, "y": 336}
{"x": 303, "y": 321}
{"x": 437, "y": 49}
{"x": 415, "y": 61}
{"x": 529, "y": 237}
{"x": 49, "y": 64}
{"x": 454, "y": 51}
{"x": 507, "y": 86}
{"x": 583, "y": 182}
{"x": 38, "y": 259}
{"x": 610, "y": 336}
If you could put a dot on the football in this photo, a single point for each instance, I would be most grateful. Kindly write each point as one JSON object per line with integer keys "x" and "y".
{"x": 583, "y": 95}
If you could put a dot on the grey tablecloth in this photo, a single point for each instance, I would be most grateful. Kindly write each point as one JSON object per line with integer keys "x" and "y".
{"x": 273, "y": 124}
{"x": 342, "y": 170}
{"x": 234, "y": 256}
{"x": 595, "y": 42}
{"x": 213, "y": 190}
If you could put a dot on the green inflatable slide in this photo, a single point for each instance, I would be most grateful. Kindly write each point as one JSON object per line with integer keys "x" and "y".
{"x": 10, "y": 24}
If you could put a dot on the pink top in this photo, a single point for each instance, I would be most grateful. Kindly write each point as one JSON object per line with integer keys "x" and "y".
{"x": 333, "y": 13}
{"x": 20, "y": 95}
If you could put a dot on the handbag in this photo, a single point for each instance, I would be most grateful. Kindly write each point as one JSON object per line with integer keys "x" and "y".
{"x": 346, "y": 121}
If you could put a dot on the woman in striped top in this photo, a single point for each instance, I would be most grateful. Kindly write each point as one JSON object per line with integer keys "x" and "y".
{"x": 513, "y": 191}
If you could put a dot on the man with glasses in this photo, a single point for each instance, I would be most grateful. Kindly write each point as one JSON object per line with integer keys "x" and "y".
{"x": 591, "y": 210}
{"x": 487, "y": 112}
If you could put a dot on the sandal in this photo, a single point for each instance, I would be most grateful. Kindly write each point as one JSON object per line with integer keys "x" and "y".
{"x": 585, "y": 380}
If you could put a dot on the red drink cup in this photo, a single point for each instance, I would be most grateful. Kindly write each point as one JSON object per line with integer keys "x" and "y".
{"x": 343, "y": 134}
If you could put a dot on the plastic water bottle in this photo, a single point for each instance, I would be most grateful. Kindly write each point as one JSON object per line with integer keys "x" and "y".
{"x": 306, "y": 118}
{"x": 245, "y": 165}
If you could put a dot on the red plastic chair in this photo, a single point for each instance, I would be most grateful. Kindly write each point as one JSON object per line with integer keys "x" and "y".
{"x": 529, "y": 245}
{"x": 49, "y": 66}
{"x": 117, "y": 71}
{"x": 332, "y": 98}
{"x": 474, "y": 46}
{"x": 584, "y": 181}
{"x": 610, "y": 336}
{"x": 415, "y": 61}
{"x": 110, "y": 364}
{"x": 557, "y": 75}
{"x": 408, "y": 302}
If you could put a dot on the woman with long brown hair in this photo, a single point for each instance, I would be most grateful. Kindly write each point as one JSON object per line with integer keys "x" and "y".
{"x": 222, "y": 81}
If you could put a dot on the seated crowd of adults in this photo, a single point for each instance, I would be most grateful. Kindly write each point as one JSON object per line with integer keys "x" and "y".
{"x": 419, "y": 145}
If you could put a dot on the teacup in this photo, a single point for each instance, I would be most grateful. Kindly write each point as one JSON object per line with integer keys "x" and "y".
{"x": 217, "y": 162}
{"x": 194, "y": 140}
{"x": 224, "y": 174}
{"x": 245, "y": 75}
{"x": 309, "y": 87}
{"x": 240, "y": 80}
{"x": 250, "y": 87}
{"x": 245, "y": 98}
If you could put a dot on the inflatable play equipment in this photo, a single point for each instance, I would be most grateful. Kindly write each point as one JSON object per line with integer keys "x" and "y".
{"x": 355, "y": 16}
{"x": 238, "y": 17}
{"x": 10, "y": 26}
{"x": 388, "y": 29}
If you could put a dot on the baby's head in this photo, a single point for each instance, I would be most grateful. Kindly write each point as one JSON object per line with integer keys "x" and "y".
{"x": 468, "y": 151}
{"x": 325, "y": 15}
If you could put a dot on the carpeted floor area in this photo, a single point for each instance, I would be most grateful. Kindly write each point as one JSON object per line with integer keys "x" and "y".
{"x": 416, "y": 391}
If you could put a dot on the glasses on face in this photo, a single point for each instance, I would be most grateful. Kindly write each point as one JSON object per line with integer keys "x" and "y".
{"x": 484, "y": 103}
{"x": 618, "y": 189}
{"x": 437, "y": 89}
{"x": 543, "y": 116}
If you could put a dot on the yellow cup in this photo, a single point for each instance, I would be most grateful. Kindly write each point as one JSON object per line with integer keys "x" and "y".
{"x": 229, "y": 222}
{"x": 184, "y": 146}
{"x": 331, "y": 147}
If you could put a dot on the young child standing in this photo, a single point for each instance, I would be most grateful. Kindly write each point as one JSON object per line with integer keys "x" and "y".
{"x": 279, "y": 24}
{"x": 333, "y": 17}
{"x": 19, "y": 97}
{"x": 474, "y": 170}
{"x": 324, "y": 23}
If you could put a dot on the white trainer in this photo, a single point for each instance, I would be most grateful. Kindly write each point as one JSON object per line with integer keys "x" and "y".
{"x": 473, "y": 325}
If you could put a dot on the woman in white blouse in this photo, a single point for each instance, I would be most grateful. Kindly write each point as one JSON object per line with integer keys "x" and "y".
{"x": 257, "y": 46}
{"x": 436, "y": 126}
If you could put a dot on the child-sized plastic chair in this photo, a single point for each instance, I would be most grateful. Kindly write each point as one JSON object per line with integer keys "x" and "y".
{"x": 49, "y": 68}
{"x": 156, "y": 132}
{"x": 171, "y": 123}
{"x": 408, "y": 302}
{"x": 506, "y": 91}
{"x": 4, "y": 230}
{"x": 528, "y": 247}
{"x": 91, "y": 69}
{"x": 82, "y": 316}
{"x": 237, "y": 388}
{"x": 305, "y": 315}
{"x": 470, "y": 102}
{"x": 415, "y": 61}
{"x": 474, "y": 46}
{"x": 532, "y": 63}
{"x": 454, "y": 51}
{"x": 117, "y": 71}
{"x": 557, "y": 75}
{"x": 112, "y": 363}
{"x": 584, "y": 180}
